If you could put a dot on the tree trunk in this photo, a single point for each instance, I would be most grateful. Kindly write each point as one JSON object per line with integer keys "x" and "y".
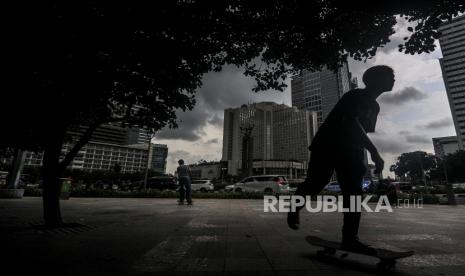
{"x": 51, "y": 181}
{"x": 77, "y": 147}
{"x": 15, "y": 172}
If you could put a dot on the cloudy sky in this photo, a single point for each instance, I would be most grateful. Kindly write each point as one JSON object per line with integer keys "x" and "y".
{"x": 415, "y": 111}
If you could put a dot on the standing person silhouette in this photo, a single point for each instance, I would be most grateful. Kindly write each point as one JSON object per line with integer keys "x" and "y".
{"x": 184, "y": 178}
{"x": 339, "y": 146}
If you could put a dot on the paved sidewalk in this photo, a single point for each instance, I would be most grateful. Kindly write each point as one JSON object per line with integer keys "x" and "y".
{"x": 217, "y": 237}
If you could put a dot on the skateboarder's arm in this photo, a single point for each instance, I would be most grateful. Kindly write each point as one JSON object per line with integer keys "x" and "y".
{"x": 355, "y": 128}
{"x": 368, "y": 144}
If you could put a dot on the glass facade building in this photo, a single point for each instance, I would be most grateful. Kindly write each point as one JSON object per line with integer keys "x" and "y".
{"x": 279, "y": 132}
{"x": 452, "y": 42}
{"x": 319, "y": 91}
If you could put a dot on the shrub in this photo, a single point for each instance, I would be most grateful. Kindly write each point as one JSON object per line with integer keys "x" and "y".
{"x": 32, "y": 192}
{"x": 149, "y": 193}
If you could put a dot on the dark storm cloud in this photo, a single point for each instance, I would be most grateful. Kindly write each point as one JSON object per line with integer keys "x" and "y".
{"x": 213, "y": 141}
{"x": 220, "y": 90}
{"x": 230, "y": 88}
{"x": 178, "y": 154}
{"x": 392, "y": 146}
{"x": 216, "y": 120}
{"x": 190, "y": 126}
{"x": 404, "y": 132}
{"x": 188, "y": 158}
{"x": 418, "y": 139}
{"x": 444, "y": 122}
{"x": 403, "y": 96}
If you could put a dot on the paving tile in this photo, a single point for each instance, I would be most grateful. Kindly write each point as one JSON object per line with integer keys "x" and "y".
{"x": 219, "y": 237}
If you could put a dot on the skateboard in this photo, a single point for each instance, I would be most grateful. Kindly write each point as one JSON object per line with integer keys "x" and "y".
{"x": 387, "y": 258}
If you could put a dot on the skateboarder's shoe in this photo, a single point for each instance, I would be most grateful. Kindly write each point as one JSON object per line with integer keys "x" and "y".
{"x": 180, "y": 202}
{"x": 293, "y": 220}
{"x": 354, "y": 245}
{"x": 189, "y": 203}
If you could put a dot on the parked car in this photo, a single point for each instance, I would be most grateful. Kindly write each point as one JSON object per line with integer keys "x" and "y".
{"x": 459, "y": 198}
{"x": 162, "y": 183}
{"x": 402, "y": 186}
{"x": 333, "y": 187}
{"x": 229, "y": 188}
{"x": 202, "y": 185}
{"x": 268, "y": 184}
{"x": 458, "y": 185}
{"x": 422, "y": 187}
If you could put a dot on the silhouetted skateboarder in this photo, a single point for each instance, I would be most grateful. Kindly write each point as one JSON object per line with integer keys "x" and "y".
{"x": 339, "y": 146}
{"x": 184, "y": 178}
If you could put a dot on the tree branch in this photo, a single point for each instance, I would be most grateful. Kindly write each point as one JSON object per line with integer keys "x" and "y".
{"x": 77, "y": 147}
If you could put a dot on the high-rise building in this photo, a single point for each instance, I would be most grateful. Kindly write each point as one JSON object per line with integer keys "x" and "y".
{"x": 158, "y": 158}
{"x": 452, "y": 41}
{"x": 136, "y": 135}
{"x": 104, "y": 156}
{"x": 113, "y": 134}
{"x": 111, "y": 145}
{"x": 445, "y": 145}
{"x": 106, "y": 133}
{"x": 319, "y": 91}
{"x": 279, "y": 132}
{"x": 99, "y": 156}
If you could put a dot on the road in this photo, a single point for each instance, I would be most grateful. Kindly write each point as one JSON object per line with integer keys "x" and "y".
{"x": 217, "y": 237}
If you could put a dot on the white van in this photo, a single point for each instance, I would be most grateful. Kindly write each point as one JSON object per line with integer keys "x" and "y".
{"x": 202, "y": 185}
{"x": 268, "y": 184}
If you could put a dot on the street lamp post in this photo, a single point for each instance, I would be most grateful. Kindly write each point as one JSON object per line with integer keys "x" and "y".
{"x": 222, "y": 175}
{"x": 247, "y": 149}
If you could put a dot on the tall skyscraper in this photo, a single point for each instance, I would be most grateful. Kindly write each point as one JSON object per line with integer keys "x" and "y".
{"x": 279, "y": 132}
{"x": 452, "y": 41}
{"x": 319, "y": 91}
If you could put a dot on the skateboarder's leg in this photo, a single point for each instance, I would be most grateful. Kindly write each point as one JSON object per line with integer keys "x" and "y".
{"x": 350, "y": 174}
{"x": 319, "y": 172}
{"x": 188, "y": 191}
{"x": 182, "y": 189}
